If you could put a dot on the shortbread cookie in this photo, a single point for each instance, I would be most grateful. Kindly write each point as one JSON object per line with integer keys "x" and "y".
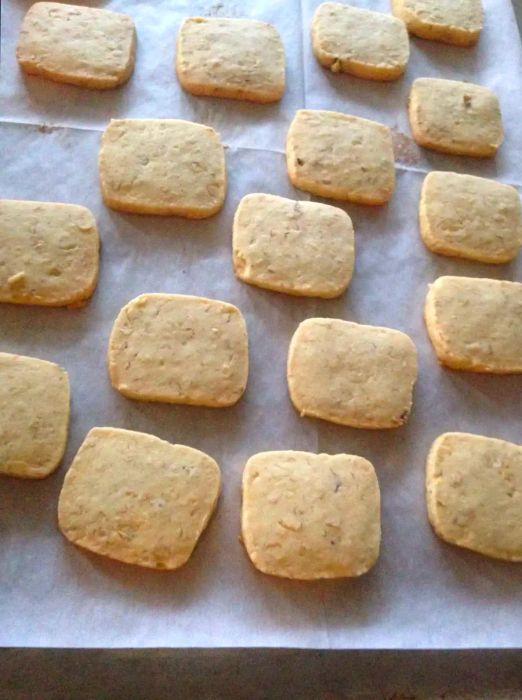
{"x": 300, "y": 248}
{"x": 239, "y": 58}
{"x": 470, "y": 217}
{"x": 355, "y": 375}
{"x": 361, "y": 42}
{"x": 34, "y": 416}
{"x": 311, "y": 516}
{"x": 179, "y": 349}
{"x": 48, "y": 253}
{"x": 133, "y": 497}
{"x": 339, "y": 156}
{"x": 162, "y": 166}
{"x": 476, "y": 324}
{"x": 474, "y": 494}
{"x": 454, "y": 117}
{"x": 457, "y": 22}
{"x": 84, "y": 46}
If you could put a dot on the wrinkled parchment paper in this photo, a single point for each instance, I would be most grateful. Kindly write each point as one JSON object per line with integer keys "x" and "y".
{"x": 422, "y": 593}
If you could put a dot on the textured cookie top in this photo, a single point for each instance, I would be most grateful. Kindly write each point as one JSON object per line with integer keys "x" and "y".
{"x": 348, "y": 373}
{"x": 311, "y": 516}
{"x": 474, "y": 493}
{"x": 34, "y": 415}
{"x": 455, "y": 117}
{"x": 162, "y": 166}
{"x": 476, "y": 324}
{"x": 358, "y": 41}
{"x": 237, "y": 58}
{"x": 179, "y": 349}
{"x": 48, "y": 253}
{"x": 133, "y": 497}
{"x": 470, "y": 217}
{"x": 85, "y": 46}
{"x": 301, "y": 248}
{"x": 450, "y": 21}
{"x": 340, "y": 156}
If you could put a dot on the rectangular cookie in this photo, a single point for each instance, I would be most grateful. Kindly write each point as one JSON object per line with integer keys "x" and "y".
{"x": 457, "y": 22}
{"x": 474, "y": 494}
{"x": 337, "y": 155}
{"x": 242, "y": 59}
{"x": 470, "y": 217}
{"x": 34, "y": 416}
{"x": 138, "y": 499}
{"x": 455, "y": 117}
{"x": 179, "y": 349}
{"x": 299, "y": 248}
{"x": 367, "y": 44}
{"x": 85, "y": 46}
{"x": 49, "y": 253}
{"x": 351, "y": 374}
{"x": 162, "y": 166}
{"x": 310, "y": 516}
{"x": 475, "y": 324}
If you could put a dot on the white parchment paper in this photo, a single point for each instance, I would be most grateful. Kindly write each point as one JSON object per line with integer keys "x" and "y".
{"x": 422, "y": 593}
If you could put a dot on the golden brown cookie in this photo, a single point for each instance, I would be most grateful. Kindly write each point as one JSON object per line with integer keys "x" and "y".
{"x": 353, "y": 40}
{"x": 347, "y": 373}
{"x": 310, "y": 516}
{"x": 85, "y": 46}
{"x": 336, "y": 155}
{"x": 179, "y": 349}
{"x": 470, "y": 217}
{"x": 34, "y": 416}
{"x": 162, "y": 166}
{"x": 455, "y": 117}
{"x": 457, "y": 22}
{"x": 138, "y": 499}
{"x": 474, "y": 493}
{"x": 242, "y": 59}
{"x": 48, "y": 253}
{"x": 299, "y": 248}
{"x": 475, "y": 324}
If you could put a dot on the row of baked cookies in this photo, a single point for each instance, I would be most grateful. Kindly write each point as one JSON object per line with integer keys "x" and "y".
{"x": 237, "y": 58}
{"x": 192, "y": 350}
{"x": 50, "y": 251}
{"x": 135, "y": 498}
{"x": 138, "y": 499}
{"x": 169, "y": 166}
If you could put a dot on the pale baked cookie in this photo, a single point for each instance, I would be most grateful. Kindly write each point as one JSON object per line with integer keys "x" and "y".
{"x": 300, "y": 248}
{"x": 355, "y": 375}
{"x": 310, "y": 516}
{"x": 474, "y": 493}
{"x": 239, "y": 58}
{"x": 34, "y": 416}
{"x": 138, "y": 499}
{"x": 335, "y": 155}
{"x": 470, "y": 217}
{"x": 457, "y": 22}
{"x": 475, "y": 324}
{"x": 454, "y": 117}
{"x": 179, "y": 349}
{"x": 48, "y": 253}
{"x": 361, "y": 42}
{"x": 84, "y": 46}
{"x": 162, "y": 166}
